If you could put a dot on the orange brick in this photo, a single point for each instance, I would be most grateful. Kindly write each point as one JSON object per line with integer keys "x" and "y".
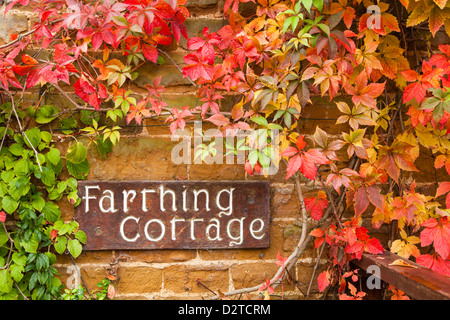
{"x": 138, "y": 280}
{"x": 182, "y": 278}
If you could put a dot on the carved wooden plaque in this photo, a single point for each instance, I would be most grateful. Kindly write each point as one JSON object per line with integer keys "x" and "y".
{"x": 174, "y": 214}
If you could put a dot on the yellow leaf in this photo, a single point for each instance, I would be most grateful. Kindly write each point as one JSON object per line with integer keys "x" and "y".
{"x": 426, "y": 137}
{"x": 402, "y": 263}
{"x": 410, "y": 139}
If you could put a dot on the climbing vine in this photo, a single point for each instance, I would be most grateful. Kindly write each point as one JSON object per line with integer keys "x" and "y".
{"x": 274, "y": 61}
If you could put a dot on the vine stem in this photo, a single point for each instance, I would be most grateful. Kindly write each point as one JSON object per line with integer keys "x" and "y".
{"x": 176, "y": 65}
{"x": 19, "y": 38}
{"x": 305, "y": 238}
{"x": 79, "y": 274}
{"x": 23, "y": 295}
{"x": 21, "y": 129}
{"x": 292, "y": 259}
{"x": 10, "y": 249}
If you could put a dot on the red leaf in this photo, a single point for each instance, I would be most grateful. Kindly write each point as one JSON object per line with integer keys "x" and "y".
{"x": 435, "y": 263}
{"x": 111, "y": 292}
{"x": 96, "y": 40}
{"x": 443, "y": 188}
{"x": 300, "y": 143}
{"x": 48, "y": 74}
{"x": 317, "y": 156}
{"x": 196, "y": 68}
{"x": 219, "y": 119}
{"x": 32, "y": 78}
{"x": 289, "y": 152}
{"x": 150, "y": 52}
{"x": 280, "y": 259}
{"x": 293, "y": 165}
{"x": 361, "y": 201}
{"x": 414, "y": 90}
{"x": 308, "y": 168}
{"x": 316, "y": 206}
{"x": 373, "y": 246}
{"x": 317, "y": 233}
{"x": 53, "y": 234}
{"x": 195, "y": 43}
{"x": 323, "y": 280}
{"x": 375, "y": 196}
{"x": 438, "y": 233}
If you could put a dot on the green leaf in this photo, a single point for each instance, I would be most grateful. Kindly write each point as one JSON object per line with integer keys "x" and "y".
{"x": 66, "y": 125}
{"x": 104, "y": 146}
{"x": 64, "y": 228}
{"x": 17, "y": 272}
{"x": 6, "y": 281}
{"x": 19, "y": 259}
{"x": 318, "y": 4}
{"x": 53, "y": 156}
{"x": 34, "y": 135}
{"x": 19, "y": 187}
{"x": 3, "y": 238}
{"x": 46, "y": 136}
{"x": 264, "y": 160}
{"x": 16, "y": 149}
{"x": 51, "y": 212}
{"x": 78, "y": 171}
{"x": 51, "y": 257}
{"x": 60, "y": 244}
{"x": 261, "y": 121}
{"x": 74, "y": 247}
{"x": 307, "y": 4}
{"x": 31, "y": 245}
{"x": 9, "y": 204}
{"x": 45, "y": 114}
{"x": 72, "y": 183}
{"x": 121, "y": 21}
{"x": 42, "y": 262}
{"x": 76, "y": 153}
{"x": 38, "y": 203}
{"x": 430, "y": 103}
{"x": 22, "y": 167}
{"x": 81, "y": 236}
{"x": 253, "y": 157}
{"x": 48, "y": 176}
{"x": 7, "y": 176}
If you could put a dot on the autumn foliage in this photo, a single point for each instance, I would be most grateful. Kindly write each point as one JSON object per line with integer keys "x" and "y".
{"x": 275, "y": 61}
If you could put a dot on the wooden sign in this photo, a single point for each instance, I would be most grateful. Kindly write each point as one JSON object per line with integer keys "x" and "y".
{"x": 174, "y": 214}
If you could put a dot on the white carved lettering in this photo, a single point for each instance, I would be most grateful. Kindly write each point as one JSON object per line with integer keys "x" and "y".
{"x": 173, "y": 222}
{"x": 163, "y": 230}
{"x": 144, "y": 199}
{"x": 240, "y": 237}
{"x": 122, "y": 233}
{"x": 87, "y": 197}
{"x": 213, "y": 223}
{"x": 253, "y": 231}
{"x": 192, "y": 227}
{"x": 162, "y": 193}
{"x": 126, "y": 193}
{"x": 108, "y": 194}
{"x": 196, "y": 193}
{"x": 227, "y": 210}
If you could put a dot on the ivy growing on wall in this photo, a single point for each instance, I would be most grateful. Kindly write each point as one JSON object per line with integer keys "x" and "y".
{"x": 275, "y": 60}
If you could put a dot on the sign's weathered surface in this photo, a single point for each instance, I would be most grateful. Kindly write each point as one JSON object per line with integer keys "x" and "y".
{"x": 174, "y": 214}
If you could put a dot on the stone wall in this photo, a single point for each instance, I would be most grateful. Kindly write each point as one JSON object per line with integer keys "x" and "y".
{"x": 144, "y": 153}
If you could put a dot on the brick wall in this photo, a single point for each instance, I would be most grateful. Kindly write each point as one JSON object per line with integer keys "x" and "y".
{"x": 144, "y": 153}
